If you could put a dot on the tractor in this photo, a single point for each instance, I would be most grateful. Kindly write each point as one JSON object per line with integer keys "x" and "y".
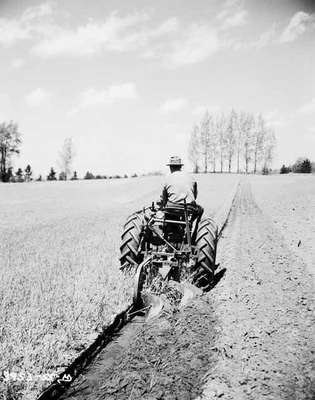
{"x": 161, "y": 244}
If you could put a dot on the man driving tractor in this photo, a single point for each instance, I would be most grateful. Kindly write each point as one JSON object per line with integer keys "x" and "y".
{"x": 180, "y": 188}
{"x": 171, "y": 237}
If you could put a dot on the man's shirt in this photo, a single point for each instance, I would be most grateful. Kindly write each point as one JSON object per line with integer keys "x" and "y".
{"x": 179, "y": 186}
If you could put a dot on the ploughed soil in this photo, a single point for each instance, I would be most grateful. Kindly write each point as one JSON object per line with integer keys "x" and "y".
{"x": 251, "y": 337}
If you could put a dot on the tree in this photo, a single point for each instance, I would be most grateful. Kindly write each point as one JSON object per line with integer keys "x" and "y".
{"x": 66, "y": 157}
{"x": 205, "y": 139}
{"x": 19, "y": 175}
{"x": 230, "y": 138}
{"x": 62, "y": 176}
{"x": 52, "y": 175}
{"x": 248, "y": 125}
{"x": 10, "y": 141}
{"x": 268, "y": 148}
{"x": 75, "y": 176}
{"x": 302, "y": 165}
{"x": 89, "y": 175}
{"x": 213, "y": 143}
{"x": 284, "y": 169}
{"x": 239, "y": 138}
{"x": 225, "y": 137}
{"x": 39, "y": 179}
{"x": 194, "y": 148}
{"x": 259, "y": 137}
{"x": 28, "y": 173}
{"x": 222, "y": 142}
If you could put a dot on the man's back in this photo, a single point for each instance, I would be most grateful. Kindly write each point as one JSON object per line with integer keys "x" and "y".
{"x": 180, "y": 186}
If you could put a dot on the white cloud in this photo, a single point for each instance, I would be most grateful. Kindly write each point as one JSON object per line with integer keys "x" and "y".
{"x": 232, "y": 15}
{"x": 173, "y": 105}
{"x": 37, "y": 12}
{"x": 299, "y": 24}
{"x": 116, "y": 34}
{"x": 37, "y": 98}
{"x": 307, "y": 108}
{"x": 13, "y": 30}
{"x": 197, "y": 44}
{"x": 113, "y": 34}
{"x": 266, "y": 38}
{"x": 236, "y": 20}
{"x": 92, "y": 98}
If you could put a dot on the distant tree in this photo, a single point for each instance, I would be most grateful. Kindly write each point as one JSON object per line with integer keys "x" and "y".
{"x": 125, "y": 176}
{"x": 98, "y": 176}
{"x": 194, "y": 148}
{"x": 259, "y": 136}
{"x": 66, "y": 157}
{"x": 9, "y": 175}
{"x": 39, "y": 179}
{"x": 75, "y": 176}
{"x": 239, "y": 137}
{"x": 265, "y": 170}
{"x": 222, "y": 139}
{"x": 230, "y": 138}
{"x": 248, "y": 140}
{"x": 28, "y": 173}
{"x": 205, "y": 139}
{"x": 10, "y": 141}
{"x": 268, "y": 148}
{"x": 89, "y": 175}
{"x": 19, "y": 175}
{"x": 62, "y": 176}
{"x": 52, "y": 175}
{"x": 302, "y": 165}
{"x": 132, "y": 176}
{"x": 284, "y": 169}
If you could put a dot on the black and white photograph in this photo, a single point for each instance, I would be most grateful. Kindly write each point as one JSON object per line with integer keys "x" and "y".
{"x": 157, "y": 200}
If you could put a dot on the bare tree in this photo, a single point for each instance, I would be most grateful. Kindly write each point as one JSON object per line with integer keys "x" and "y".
{"x": 259, "y": 138}
{"x": 66, "y": 157}
{"x": 230, "y": 137}
{"x": 194, "y": 148}
{"x": 225, "y": 136}
{"x": 213, "y": 142}
{"x": 239, "y": 138}
{"x": 205, "y": 139}
{"x": 248, "y": 125}
{"x": 268, "y": 148}
{"x": 10, "y": 141}
{"x": 222, "y": 142}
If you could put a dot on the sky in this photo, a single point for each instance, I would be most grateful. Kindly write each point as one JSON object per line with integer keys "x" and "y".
{"x": 128, "y": 79}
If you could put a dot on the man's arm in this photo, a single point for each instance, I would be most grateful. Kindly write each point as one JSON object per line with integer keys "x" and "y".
{"x": 163, "y": 198}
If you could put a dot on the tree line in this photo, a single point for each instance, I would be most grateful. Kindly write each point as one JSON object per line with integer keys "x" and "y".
{"x": 10, "y": 143}
{"x": 302, "y": 165}
{"x": 238, "y": 141}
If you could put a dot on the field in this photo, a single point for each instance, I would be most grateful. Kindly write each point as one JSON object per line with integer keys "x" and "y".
{"x": 59, "y": 277}
{"x": 252, "y": 336}
{"x": 289, "y": 201}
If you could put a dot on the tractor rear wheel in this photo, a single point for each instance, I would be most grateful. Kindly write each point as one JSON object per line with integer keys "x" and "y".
{"x": 130, "y": 242}
{"x": 206, "y": 244}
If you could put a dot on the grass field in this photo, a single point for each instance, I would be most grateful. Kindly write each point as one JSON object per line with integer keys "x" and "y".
{"x": 59, "y": 276}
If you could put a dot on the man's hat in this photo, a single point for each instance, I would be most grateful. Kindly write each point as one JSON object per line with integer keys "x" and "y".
{"x": 175, "y": 161}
